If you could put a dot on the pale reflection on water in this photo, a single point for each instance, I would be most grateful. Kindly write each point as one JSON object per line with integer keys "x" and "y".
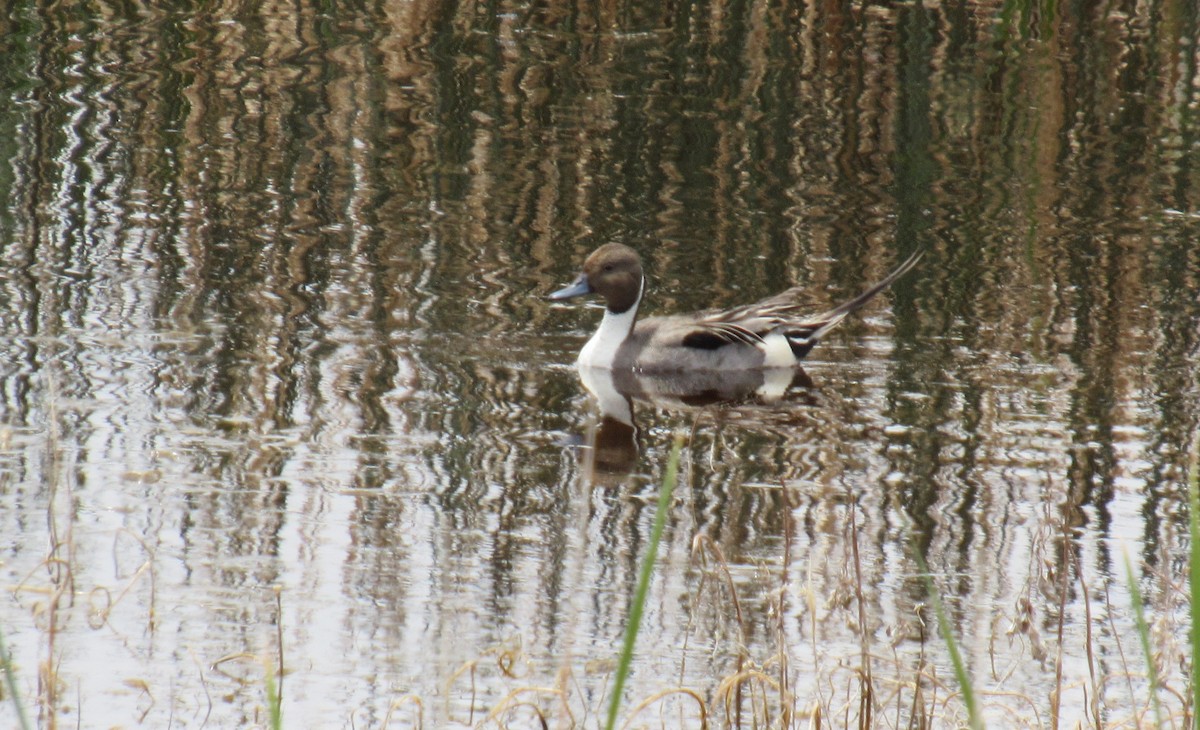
{"x": 277, "y": 377}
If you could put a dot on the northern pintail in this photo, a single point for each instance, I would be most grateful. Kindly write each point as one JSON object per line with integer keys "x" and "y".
{"x": 769, "y": 334}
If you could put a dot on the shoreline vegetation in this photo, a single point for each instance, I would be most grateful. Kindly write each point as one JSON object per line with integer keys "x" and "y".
{"x": 870, "y": 690}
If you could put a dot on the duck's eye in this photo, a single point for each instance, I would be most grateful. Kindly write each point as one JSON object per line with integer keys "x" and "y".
{"x": 609, "y": 267}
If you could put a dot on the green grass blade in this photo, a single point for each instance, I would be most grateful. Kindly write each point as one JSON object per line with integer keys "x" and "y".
{"x": 1194, "y": 571}
{"x": 10, "y": 680}
{"x": 643, "y": 587}
{"x": 274, "y": 711}
{"x": 974, "y": 719}
{"x": 1143, "y": 629}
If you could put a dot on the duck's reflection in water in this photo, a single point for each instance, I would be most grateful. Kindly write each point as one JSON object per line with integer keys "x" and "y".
{"x": 612, "y": 443}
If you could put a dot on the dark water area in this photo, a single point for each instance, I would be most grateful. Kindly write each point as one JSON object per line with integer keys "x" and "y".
{"x": 278, "y": 375}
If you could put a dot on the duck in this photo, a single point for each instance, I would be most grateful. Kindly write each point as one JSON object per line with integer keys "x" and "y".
{"x": 769, "y": 334}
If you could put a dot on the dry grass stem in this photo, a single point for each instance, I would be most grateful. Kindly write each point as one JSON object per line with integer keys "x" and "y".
{"x": 514, "y": 701}
{"x": 701, "y": 706}
{"x": 404, "y": 702}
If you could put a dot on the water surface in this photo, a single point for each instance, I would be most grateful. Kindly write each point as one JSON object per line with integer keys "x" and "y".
{"x": 277, "y": 377}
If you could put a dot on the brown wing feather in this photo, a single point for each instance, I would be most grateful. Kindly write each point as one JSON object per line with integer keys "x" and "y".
{"x": 709, "y": 335}
{"x": 749, "y": 324}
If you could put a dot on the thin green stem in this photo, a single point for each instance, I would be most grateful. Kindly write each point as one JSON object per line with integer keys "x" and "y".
{"x": 974, "y": 719}
{"x": 1194, "y": 571}
{"x": 1143, "y": 629}
{"x": 274, "y": 716}
{"x": 10, "y": 679}
{"x": 643, "y": 586}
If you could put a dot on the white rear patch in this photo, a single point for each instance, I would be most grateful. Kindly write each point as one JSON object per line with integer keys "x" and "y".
{"x": 777, "y": 351}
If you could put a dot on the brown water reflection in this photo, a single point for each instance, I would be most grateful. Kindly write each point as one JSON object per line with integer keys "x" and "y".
{"x": 270, "y": 291}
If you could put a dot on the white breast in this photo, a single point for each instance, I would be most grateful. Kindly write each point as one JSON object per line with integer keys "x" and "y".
{"x": 601, "y": 350}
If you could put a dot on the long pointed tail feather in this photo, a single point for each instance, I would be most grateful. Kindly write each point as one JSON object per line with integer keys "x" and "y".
{"x": 805, "y": 337}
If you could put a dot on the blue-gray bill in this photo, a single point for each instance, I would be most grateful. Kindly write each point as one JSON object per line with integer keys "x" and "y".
{"x": 577, "y": 288}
